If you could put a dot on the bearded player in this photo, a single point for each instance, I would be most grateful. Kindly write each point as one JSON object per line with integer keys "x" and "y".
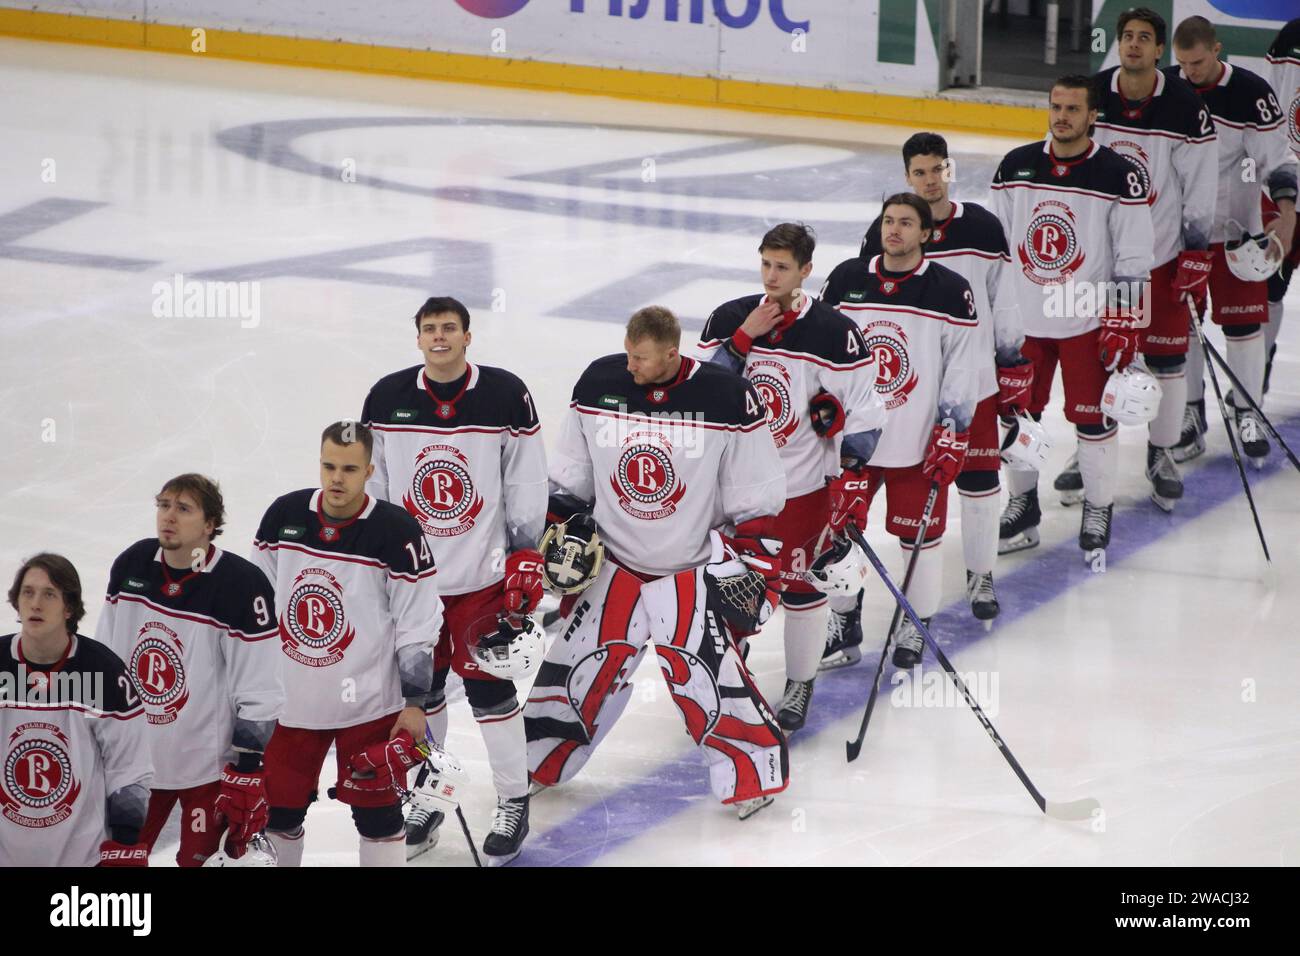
{"x": 1252, "y": 139}
{"x": 358, "y": 611}
{"x": 1077, "y": 216}
{"x": 195, "y": 625}
{"x": 817, "y": 379}
{"x": 920, "y": 320}
{"x": 459, "y": 446}
{"x": 967, "y": 239}
{"x": 658, "y": 449}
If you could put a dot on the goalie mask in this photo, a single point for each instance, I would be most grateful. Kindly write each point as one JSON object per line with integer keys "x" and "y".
{"x": 840, "y": 570}
{"x": 572, "y": 554}
{"x": 1253, "y": 258}
{"x": 1131, "y": 397}
{"x": 509, "y": 649}
{"x": 1026, "y": 445}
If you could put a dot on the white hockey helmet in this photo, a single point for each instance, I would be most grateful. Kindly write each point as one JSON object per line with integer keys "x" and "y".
{"x": 1253, "y": 258}
{"x": 508, "y": 648}
{"x": 439, "y": 781}
{"x": 1026, "y": 446}
{"x": 259, "y": 852}
{"x": 1131, "y": 396}
{"x": 841, "y": 569}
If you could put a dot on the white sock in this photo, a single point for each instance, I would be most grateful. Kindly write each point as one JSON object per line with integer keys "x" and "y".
{"x": 1099, "y": 466}
{"x": 1167, "y": 426}
{"x": 805, "y": 639}
{"x": 390, "y": 851}
{"x": 1194, "y": 372}
{"x": 841, "y": 604}
{"x": 1275, "y": 310}
{"x": 437, "y": 720}
{"x": 507, "y": 751}
{"x": 979, "y": 529}
{"x": 927, "y": 578}
{"x": 288, "y": 847}
{"x": 1245, "y": 356}
{"x": 1020, "y": 482}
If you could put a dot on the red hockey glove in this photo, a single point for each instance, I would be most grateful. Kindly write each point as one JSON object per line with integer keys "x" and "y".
{"x": 1014, "y": 385}
{"x": 242, "y": 803}
{"x": 523, "y": 582}
{"x": 1193, "y": 274}
{"x": 381, "y": 766}
{"x": 112, "y": 853}
{"x": 756, "y": 547}
{"x": 1117, "y": 343}
{"x": 827, "y": 414}
{"x": 946, "y": 454}
{"x": 850, "y": 500}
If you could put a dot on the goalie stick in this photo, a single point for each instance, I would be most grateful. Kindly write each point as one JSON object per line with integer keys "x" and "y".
{"x": 1070, "y": 810}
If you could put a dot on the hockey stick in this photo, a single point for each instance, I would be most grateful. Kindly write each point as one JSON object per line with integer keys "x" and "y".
{"x": 1072, "y": 810}
{"x": 1211, "y": 351}
{"x": 1227, "y": 426}
{"x": 854, "y": 747}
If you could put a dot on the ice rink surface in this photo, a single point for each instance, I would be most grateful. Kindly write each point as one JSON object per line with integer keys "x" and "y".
{"x": 1167, "y": 686}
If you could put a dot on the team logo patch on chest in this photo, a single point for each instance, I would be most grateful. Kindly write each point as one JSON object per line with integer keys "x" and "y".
{"x": 645, "y": 480}
{"x": 442, "y": 496}
{"x": 1293, "y": 121}
{"x": 1141, "y": 162}
{"x": 775, "y": 385}
{"x": 895, "y": 375}
{"x": 314, "y": 629}
{"x": 1050, "y": 252}
{"x": 158, "y": 666}
{"x": 38, "y": 789}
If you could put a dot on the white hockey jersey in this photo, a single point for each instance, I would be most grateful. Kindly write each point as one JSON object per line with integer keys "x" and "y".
{"x": 1080, "y": 224}
{"x": 203, "y": 658}
{"x": 71, "y": 735}
{"x": 1253, "y": 148}
{"x": 665, "y": 464}
{"x": 923, "y": 330}
{"x": 348, "y": 597}
{"x": 1169, "y": 138}
{"x": 467, "y": 462}
{"x": 1284, "y": 56}
{"x": 818, "y": 351}
{"x": 972, "y": 244}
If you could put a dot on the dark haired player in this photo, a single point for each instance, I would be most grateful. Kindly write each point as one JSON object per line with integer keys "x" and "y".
{"x": 194, "y": 624}
{"x": 460, "y": 448}
{"x": 358, "y": 611}
{"x": 74, "y": 761}
{"x": 817, "y": 378}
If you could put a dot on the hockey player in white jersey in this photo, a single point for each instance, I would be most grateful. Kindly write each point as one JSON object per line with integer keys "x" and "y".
{"x": 967, "y": 239}
{"x": 1284, "y": 58}
{"x": 358, "y": 612}
{"x": 196, "y": 627}
{"x": 1254, "y": 153}
{"x": 74, "y": 761}
{"x": 817, "y": 378}
{"x": 1159, "y": 124}
{"x": 1077, "y": 217}
{"x": 920, "y": 321}
{"x": 459, "y": 446}
{"x": 656, "y": 450}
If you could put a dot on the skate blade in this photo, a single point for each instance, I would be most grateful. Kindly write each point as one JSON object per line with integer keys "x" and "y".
{"x": 1072, "y": 497}
{"x": 534, "y": 788}
{"x": 1184, "y": 454}
{"x": 1090, "y": 555}
{"x": 1164, "y": 504}
{"x": 414, "y": 851}
{"x": 1257, "y": 463}
{"x": 752, "y": 808}
{"x": 845, "y": 658}
{"x": 1020, "y": 542}
{"x": 504, "y": 860}
{"x": 988, "y": 624}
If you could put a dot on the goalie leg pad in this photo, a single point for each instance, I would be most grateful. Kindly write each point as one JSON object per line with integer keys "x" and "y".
{"x": 583, "y": 684}
{"x": 723, "y": 711}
